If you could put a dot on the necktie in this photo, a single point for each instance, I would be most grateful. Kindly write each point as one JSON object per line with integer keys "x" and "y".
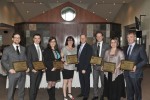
{"x": 38, "y": 52}
{"x": 98, "y": 49}
{"x": 129, "y": 50}
{"x": 80, "y": 49}
{"x": 17, "y": 49}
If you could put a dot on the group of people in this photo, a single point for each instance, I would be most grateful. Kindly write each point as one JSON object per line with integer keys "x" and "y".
{"x": 112, "y": 84}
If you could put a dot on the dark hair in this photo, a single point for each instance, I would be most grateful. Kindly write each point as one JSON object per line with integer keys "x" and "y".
{"x": 99, "y": 32}
{"x": 50, "y": 39}
{"x": 15, "y": 34}
{"x": 36, "y": 35}
{"x": 131, "y": 32}
{"x": 84, "y": 35}
{"x": 70, "y": 38}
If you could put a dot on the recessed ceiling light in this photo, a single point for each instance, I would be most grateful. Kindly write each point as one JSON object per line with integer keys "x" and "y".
{"x": 110, "y": 12}
{"x": 93, "y": 12}
{"x": 106, "y": 18}
{"x": 103, "y": 1}
{"x": 28, "y": 11}
{"x": 34, "y": 1}
{"x": 23, "y": 2}
{"x": 41, "y": 3}
{"x": 114, "y": 4}
{"x": 96, "y": 3}
{"x": 43, "y": 12}
{"x": 124, "y": 2}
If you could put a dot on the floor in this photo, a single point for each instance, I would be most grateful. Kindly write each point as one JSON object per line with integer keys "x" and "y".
{"x": 42, "y": 94}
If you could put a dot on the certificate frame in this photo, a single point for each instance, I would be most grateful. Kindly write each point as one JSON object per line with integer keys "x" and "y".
{"x": 72, "y": 59}
{"x": 58, "y": 64}
{"x": 96, "y": 60}
{"x": 20, "y": 66}
{"x": 38, "y": 65}
{"x": 109, "y": 66}
{"x": 127, "y": 65}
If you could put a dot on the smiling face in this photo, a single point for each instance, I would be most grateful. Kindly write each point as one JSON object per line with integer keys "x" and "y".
{"x": 16, "y": 39}
{"x": 52, "y": 43}
{"x": 131, "y": 38}
{"x": 114, "y": 43}
{"x": 99, "y": 37}
{"x": 36, "y": 39}
{"x": 83, "y": 39}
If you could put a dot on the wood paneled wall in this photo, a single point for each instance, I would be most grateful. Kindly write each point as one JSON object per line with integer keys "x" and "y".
{"x": 54, "y": 15}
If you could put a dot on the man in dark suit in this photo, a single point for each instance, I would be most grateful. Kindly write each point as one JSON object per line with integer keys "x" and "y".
{"x": 34, "y": 53}
{"x": 137, "y": 54}
{"x": 99, "y": 49}
{"x": 84, "y": 51}
{"x": 12, "y": 53}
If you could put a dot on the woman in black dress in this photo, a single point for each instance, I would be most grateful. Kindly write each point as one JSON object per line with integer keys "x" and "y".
{"x": 51, "y": 53}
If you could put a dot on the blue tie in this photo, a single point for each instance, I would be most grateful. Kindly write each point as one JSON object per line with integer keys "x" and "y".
{"x": 129, "y": 51}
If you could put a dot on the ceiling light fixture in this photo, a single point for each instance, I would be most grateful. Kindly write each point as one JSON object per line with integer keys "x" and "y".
{"x": 23, "y": 2}
{"x": 41, "y": 3}
{"x": 28, "y": 11}
{"x": 93, "y": 12}
{"x": 80, "y": 1}
{"x": 96, "y": 3}
{"x": 34, "y": 1}
{"x": 114, "y": 4}
{"x": 124, "y": 2}
{"x": 110, "y": 12}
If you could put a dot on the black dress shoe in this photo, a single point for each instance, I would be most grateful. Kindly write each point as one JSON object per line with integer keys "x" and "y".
{"x": 85, "y": 98}
{"x": 95, "y": 98}
{"x": 80, "y": 95}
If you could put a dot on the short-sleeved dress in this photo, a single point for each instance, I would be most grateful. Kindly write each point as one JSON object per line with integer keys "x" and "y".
{"x": 68, "y": 70}
{"x": 50, "y": 56}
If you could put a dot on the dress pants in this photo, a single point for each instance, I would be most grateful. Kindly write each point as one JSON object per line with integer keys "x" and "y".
{"x": 85, "y": 83}
{"x": 35, "y": 79}
{"x": 16, "y": 79}
{"x": 96, "y": 75}
{"x": 133, "y": 88}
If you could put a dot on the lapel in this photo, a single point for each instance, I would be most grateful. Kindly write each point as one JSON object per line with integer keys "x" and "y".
{"x": 34, "y": 49}
{"x": 84, "y": 48}
{"x": 133, "y": 50}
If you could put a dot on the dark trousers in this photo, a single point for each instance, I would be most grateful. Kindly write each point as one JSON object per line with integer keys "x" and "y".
{"x": 35, "y": 79}
{"x": 85, "y": 83}
{"x": 133, "y": 88}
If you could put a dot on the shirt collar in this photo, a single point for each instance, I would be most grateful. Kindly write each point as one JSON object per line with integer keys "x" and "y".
{"x": 36, "y": 44}
{"x": 15, "y": 45}
{"x": 132, "y": 44}
{"x": 99, "y": 42}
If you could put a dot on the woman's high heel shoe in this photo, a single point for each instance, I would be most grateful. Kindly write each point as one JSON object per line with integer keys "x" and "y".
{"x": 70, "y": 96}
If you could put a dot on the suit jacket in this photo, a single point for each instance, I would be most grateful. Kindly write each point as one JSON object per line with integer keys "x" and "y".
{"x": 104, "y": 48}
{"x": 138, "y": 55}
{"x": 10, "y": 55}
{"x": 32, "y": 55}
{"x": 49, "y": 58}
{"x": 85, "y": 57}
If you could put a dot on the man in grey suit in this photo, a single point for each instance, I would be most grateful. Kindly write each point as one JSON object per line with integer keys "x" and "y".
{"x": 137, "y": 54}
{"x": 12, "y": 53}
{"x": 99, "y": 49}
{"x": 34, "y": 53}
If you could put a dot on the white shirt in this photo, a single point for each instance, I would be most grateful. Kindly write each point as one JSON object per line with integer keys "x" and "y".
{"x": 132, "y": 45}
{"x": 15, "y": 46}
{"x": 37, "y": 46}
{"x": 81, "y": 47}
{"x": 100, "y": 49}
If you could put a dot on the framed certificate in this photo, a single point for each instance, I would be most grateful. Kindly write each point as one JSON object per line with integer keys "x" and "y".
{"x": 71, "y": 59}
{"x": 20, "y": 66}
{"x": 58, "y": 64}
{"x": 96, "y": 60}
{"x": 127, "y": 65}
{"x": 38, "y": 65}
{"x": 109, "y": 66}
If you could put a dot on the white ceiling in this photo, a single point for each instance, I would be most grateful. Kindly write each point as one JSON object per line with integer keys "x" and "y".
{"x": 105, "y": 8}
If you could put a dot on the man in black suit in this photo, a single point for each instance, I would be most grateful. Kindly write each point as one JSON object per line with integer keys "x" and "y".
{"x": 137, "y": 54}
{"x": 34, "y": 53}
{"x": 84, "y": 51}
